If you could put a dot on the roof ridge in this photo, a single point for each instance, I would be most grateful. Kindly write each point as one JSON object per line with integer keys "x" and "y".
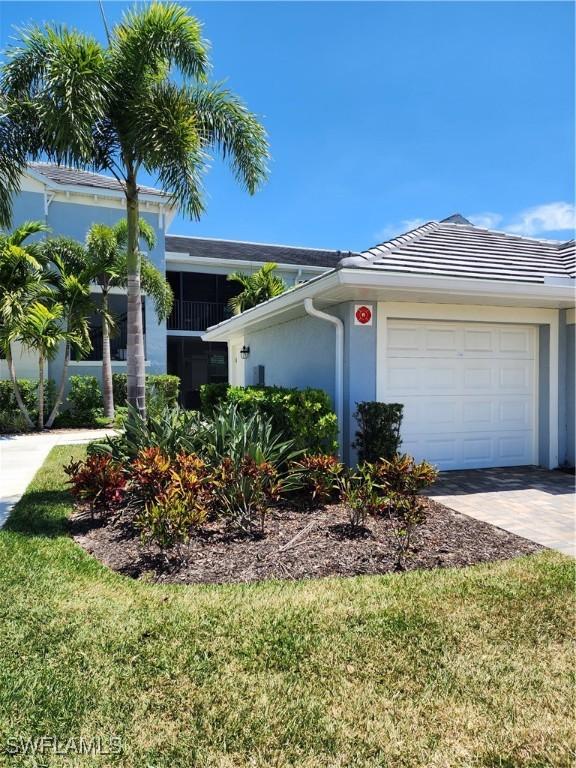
{"x": 41, "y": 163}
{"x": 547, "y": 240}
{"x": 40, "y": 166}
{"x": 411, "y": 236}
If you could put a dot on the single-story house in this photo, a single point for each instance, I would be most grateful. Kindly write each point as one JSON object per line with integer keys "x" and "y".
{"x": 471, "y": 329}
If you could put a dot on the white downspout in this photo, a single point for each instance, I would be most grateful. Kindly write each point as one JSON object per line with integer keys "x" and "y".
{"x": 339, "y": 363}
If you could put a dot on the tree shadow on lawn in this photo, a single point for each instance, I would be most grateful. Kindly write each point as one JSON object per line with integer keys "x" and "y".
{"x": 41, "y": 513}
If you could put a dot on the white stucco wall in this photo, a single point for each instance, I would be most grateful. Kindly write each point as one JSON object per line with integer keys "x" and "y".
{"x": 25, "y": 362}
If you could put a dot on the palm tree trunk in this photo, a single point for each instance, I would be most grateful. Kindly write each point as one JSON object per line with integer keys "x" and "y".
{"x": 107, "y": 389}
{"x": 135, "y": 341}
{"x": 16, "y": 388}
{"x": 60, "y": 394}
{"x": 41, "y": 391}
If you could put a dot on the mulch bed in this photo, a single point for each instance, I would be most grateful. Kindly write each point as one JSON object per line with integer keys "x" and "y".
{"x": 325, "y": 547}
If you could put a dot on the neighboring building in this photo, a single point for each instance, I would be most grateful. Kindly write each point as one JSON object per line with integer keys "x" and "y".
{"x": 196, "y": 268}
{"x": 471, "y": 329}
{"x": 69, "y": 201}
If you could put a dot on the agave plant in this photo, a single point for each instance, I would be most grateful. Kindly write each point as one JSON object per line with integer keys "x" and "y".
{"x": 170, "y": 429}
{"x": 231, "y": 434}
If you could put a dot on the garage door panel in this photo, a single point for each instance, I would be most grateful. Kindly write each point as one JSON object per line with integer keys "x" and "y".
{"x": 477, "y": 413}
{"x": 442, "y": 340}
{"x": 466, "y": 414}
{"x": 478, "y": 340}
{"x": 516, "y": 413}
{"x": 468, "y": 391}
{"x": 516, "y": 376}
{"x": 429, "y": 376}
{"x": 477, "y": 448}
{"x": 408, "y": 338}
{"x": 478, "y": 377}
{"x": 517, "y": 342}
{"x": 513, "y": 447}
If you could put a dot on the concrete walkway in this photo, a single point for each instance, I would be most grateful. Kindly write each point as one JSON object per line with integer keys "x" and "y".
{"x": 21, "y": 456}
{"x": 534, "y": 503}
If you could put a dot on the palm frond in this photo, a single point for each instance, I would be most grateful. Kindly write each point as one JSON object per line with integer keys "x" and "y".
{"x": 256, "y": 288}
{"x": 26, "y": 230}
{"x": 150, "y": 39}
{"x": 145, "y": 230}
{"x": 64, "y": 74}
{"x": 225, "y": 124}
{"x": 167, "y": 143}
{"x": 157, "y": 287}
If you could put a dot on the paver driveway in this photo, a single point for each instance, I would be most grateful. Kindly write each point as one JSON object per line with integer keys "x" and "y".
{"x": 532, "y": 502}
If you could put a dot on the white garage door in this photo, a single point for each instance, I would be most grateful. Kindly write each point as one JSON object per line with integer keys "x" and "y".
{"x": 469, "y": 391}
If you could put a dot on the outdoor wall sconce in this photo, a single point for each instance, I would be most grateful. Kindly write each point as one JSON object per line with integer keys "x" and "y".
{"x": 244, "y": 352}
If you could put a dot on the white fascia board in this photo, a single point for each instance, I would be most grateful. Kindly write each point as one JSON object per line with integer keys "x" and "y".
{"x": 429, "y": 288}
{"x": 431, "y": 285}
{"x": 87, "y": 191}
{"x": 208, "y": 261}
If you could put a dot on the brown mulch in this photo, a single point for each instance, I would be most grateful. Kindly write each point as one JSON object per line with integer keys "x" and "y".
{"x": 298, "y": 545}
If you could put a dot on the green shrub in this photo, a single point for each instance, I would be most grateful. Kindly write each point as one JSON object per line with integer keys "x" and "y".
{"x": 227, "y": 433}
{"x": 13, "y": 421}
{"x": 172, "y": 430}
{"x": 119, "y": 389}
{"x": 84, "y": 402}
{"x": 163, "y": 388}
{"x": 29, "y": 391}
{"x": 378, "y": 435}
{"x": 231, "y": 433}
{"x": 212, "y": 395}
{"x": 304, "y": 416}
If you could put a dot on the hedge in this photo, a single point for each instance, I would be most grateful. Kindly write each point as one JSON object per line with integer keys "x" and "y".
{"x": 28, "y": 390}
{"x": 164, "y": 386}
{"x": 303, "y": 415}
{"x": 378, "y": 435}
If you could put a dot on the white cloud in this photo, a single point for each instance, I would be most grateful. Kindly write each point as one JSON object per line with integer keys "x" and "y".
{"x": 550, "y": 217}
{"x": 393, "y": 230}
{"x": 531, "y": 222}
{"x": 486, "y": 220}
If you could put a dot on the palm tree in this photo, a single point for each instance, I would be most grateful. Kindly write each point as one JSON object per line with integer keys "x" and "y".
{"x": 107, "y": 264}
{"x": 22, "y": 282}
{"x": 256, "y": 288}
{"x": 70, "y": 278}
{"x": 116, "y": 108}
{"x": 42, "y": 329}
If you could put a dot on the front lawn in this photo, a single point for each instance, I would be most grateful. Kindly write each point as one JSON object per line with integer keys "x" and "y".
{"x": 463, "y": 667}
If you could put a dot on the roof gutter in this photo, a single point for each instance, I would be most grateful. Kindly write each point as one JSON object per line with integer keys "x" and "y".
{"x": 339, "y": 362}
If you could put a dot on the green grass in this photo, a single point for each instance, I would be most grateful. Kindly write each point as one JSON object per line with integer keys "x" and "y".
{"x": 450, "y": 668}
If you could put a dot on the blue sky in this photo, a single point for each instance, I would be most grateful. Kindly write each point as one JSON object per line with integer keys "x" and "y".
{"x": 384, "y": 115}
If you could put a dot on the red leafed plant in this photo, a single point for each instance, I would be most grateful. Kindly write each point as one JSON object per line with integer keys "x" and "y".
{"x": 318, "y": 474}
{"x": 150, "y": 474}
{"x": 244, "y": 491}
{"x": 99, "y": 480}
{"x": 175, "y": 496}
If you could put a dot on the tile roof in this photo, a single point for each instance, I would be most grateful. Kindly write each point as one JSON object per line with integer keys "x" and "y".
{"x": 60, "y": 174}
{"x": 236, "y": 250}
{"x": 454, "y": 247}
